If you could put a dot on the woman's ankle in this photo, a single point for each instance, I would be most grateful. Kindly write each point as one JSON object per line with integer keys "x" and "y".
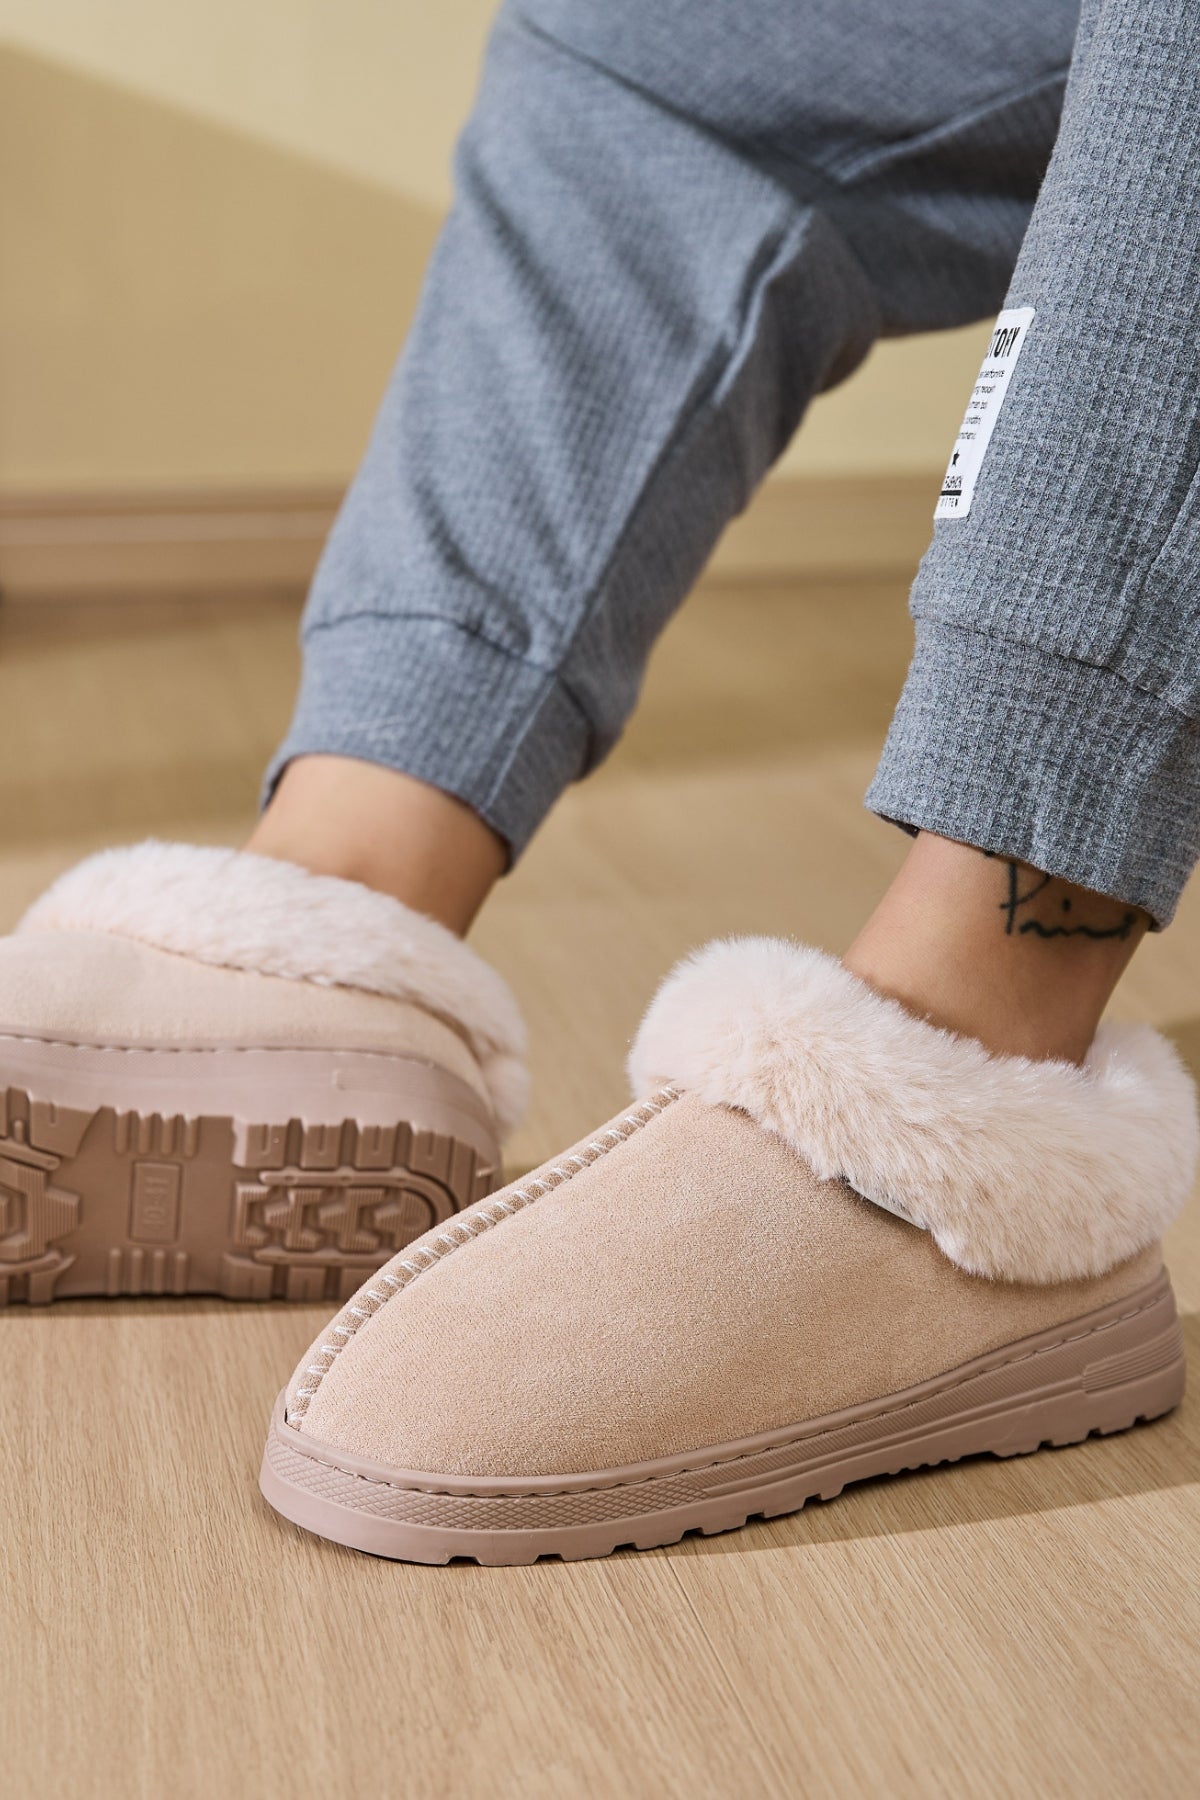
{"x": 336, "y": 815}
{"x": 992, "y": 949}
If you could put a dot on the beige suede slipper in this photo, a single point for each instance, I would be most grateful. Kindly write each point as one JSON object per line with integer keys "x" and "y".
{"x": 222, "y": 1074}
{"x": 835, "y": 1242}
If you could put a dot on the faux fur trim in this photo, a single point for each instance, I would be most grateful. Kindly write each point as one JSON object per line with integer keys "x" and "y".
{"x": 1023, "y": 1171}
{"x": 251, "y": 912}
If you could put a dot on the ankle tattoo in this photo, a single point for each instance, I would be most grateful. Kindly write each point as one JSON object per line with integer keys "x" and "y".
{"x": 1042, "y": 906}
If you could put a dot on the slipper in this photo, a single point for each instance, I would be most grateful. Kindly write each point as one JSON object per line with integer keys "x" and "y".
{"x": 834, "y": 1242}
{"x": 223, "y": 1074}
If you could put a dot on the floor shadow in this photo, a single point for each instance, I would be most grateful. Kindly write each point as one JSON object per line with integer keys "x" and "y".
{"x": 157, "y": 1308}
{"x": 1146, "y": 1460}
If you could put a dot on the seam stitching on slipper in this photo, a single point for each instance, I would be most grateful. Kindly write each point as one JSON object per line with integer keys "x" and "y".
{"x": 16, "y": 1037}
{"x": 467, "y": 1227}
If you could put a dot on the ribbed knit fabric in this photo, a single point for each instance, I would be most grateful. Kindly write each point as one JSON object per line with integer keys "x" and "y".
{"x": 1065, "y": 765}
{"x": 1053, "y": 704}
{"x": 675, "y": 223}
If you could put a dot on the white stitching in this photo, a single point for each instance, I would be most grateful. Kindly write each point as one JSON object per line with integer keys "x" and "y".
{"x": 471, "y": 1225}
{"x": 19, "y": 1037}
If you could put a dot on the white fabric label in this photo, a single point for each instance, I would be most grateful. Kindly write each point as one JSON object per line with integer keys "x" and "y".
{"x": 983, "y": 409}
{"x": 883, "y": 1201}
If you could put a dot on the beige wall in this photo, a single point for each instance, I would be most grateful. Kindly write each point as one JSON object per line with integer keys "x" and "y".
{"x": 213, "y": 218}
{"x": 181, "y": 304}
{"x": 374, "y": 89}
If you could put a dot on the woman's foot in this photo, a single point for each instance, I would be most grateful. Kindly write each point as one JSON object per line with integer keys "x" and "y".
{"x": 989, "y": 948}
{"x": 362, "y": 822}
{"x": 835, "y": 1241}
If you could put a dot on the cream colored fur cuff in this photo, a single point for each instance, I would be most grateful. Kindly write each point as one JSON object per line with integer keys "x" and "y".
{"x": 250, "y": 912}
{"x": 1024, "y": 1171}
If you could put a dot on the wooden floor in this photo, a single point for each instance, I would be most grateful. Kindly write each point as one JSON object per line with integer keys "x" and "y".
{"x": 1016, "y": 1628}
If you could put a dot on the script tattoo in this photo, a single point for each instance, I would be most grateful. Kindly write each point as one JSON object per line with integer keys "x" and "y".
{"x": 1018, "y": 898}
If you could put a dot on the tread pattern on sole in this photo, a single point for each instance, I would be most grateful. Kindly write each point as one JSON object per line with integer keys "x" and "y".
{"x": 111, "y": 1202}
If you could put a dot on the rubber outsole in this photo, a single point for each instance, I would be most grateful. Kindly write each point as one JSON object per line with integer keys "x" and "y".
{"x": 252, "y": 1174}
{"x": 1098, "y": 1374}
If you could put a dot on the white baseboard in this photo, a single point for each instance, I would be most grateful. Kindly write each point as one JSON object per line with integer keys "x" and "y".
{"x": 79, "y": 546}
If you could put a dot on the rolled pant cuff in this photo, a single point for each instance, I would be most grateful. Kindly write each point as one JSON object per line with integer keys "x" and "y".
{"x": 434, "y": 700}
{"x": 1059, "y": 763}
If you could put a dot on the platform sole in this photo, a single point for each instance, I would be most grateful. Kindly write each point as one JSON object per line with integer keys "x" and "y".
{"x": 1099, "y": 1373}
{"x": 255, "y": 1174}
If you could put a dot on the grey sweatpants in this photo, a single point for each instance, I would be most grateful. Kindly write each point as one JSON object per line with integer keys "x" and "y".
{"x": 676, "y": 223}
